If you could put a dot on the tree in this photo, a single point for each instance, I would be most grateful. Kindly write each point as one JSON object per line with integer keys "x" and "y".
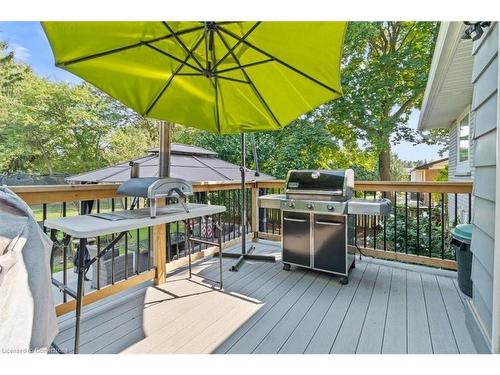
{"x": 398, "y": 169}
{"x": 384, "y": 73}
{"x": 304, "y": 144}
{"x": 10, "y": 71}
{"x": 130, "y": 141}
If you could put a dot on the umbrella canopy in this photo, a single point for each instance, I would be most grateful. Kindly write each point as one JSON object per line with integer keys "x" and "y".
{"x": 225, "y": 77}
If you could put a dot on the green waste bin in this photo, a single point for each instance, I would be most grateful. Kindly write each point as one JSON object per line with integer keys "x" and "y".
{"x": 461, "y": 237}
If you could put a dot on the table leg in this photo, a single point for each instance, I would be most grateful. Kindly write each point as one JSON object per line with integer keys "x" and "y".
{"x": 79, "y": 293}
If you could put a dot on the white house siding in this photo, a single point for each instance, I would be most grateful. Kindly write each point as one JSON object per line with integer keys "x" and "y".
{"x": 484, "y": 106}
{"x": 462, "y": 199}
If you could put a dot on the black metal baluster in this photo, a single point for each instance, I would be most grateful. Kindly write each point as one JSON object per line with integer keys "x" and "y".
{"x": 395, "y": 220}
{"x": 137, "y": 245}
{"x": 456, "y": 210}
{"x": 365, "y": 225}
{"x": 177, "y": 238}
{"x": 65, "y": 258}
{"x": 442, "y": 225}
{"x": 149, "y": 248}
{"x": 418, "y": 223}
{"x": 237, "y": 211}
{"x": 430, "y": 225}
{"x": 112, "y": 248}
{"x": 375, "y": 225}
{"x": 233, "y": 210}
{"x": 167, "y": 240}
{"x": 98, "y": 267}
{"x": 384, "y": 194}
{"x": 126, "y": 245}
{"x": 406, "y": 222}
{"x": 44, "y": 216}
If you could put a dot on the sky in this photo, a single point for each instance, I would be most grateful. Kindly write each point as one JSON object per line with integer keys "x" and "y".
{"x": 31, "y": 46}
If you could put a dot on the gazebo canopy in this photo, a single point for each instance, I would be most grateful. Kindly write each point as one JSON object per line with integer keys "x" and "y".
{"x": 188, "y": 162}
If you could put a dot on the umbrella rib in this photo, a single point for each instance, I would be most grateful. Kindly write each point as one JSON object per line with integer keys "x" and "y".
{"x": 124, "y": 48}
{"x": 190, "y": 74}
{"x": 298, "y": 71}
{"x": 171, "y": 78}
{"x": 181, "y": 43}
{"x": 244, "y": 66}
{"x": 251, "y": 82}
{"x": 232, "y": 79}
{"x": 239, "y": 41}
{"x": 217, "y": 114}
{"x": 184, "y": 62}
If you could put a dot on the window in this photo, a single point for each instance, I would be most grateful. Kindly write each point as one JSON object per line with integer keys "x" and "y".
{"x": 463, "y": 143}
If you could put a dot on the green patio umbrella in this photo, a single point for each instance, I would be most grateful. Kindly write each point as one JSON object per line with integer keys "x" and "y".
{"x": 224, "y": 77}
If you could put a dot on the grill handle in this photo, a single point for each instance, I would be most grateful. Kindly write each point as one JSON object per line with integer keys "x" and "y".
{"x": 328, "y": 223}
{"x": 295, "y": 220}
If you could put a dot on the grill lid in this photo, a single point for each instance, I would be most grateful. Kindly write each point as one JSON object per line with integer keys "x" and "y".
{"x": 320, "y": 182}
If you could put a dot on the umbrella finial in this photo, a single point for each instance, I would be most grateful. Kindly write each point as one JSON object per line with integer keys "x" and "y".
{"x": 210, "y": 25}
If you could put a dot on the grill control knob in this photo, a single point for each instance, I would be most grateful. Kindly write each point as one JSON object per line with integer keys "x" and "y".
{"x": 291, "y": 204}
{"x": 330, "y": 207}
{"x": 310, "y": 206}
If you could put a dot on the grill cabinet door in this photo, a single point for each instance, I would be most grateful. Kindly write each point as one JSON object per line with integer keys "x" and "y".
{"x": 296, "y": 245}
{"x": 330, "y": 243}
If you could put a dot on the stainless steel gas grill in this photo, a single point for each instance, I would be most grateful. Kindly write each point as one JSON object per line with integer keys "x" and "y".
{"x": 319, "y": 218}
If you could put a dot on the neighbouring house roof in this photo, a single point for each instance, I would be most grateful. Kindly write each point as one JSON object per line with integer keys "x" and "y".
{"x": 435, "y": 164}
{"x": 449, "y": 86}
{"x": 188, "y": 162}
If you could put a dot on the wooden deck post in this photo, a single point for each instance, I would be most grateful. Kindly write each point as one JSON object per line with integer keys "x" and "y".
{"x": 160, "y": 250}
{"x": 255, "y": 211}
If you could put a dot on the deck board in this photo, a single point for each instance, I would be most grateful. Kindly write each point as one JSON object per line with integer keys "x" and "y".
{"x": 419, "y": 337}
{"x": 276, "y": 337}
{"x": 456, "y": 312}
{"x": 386, "y": 308}
{"x": 350, "y": 330}
{"x": 299, "y": 338}
{"x": 266, "y": 322}
{"x": 323, "y": 338}
{"x": 395, "y": 332}
{"x": 372, "y": 334}
{"x": 443, "y": 339}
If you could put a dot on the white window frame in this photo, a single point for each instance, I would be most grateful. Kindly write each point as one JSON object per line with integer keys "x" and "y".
{"x": 463, "y": 168}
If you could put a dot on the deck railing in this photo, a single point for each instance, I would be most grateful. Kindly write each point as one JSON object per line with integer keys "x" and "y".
{"x": 417, "y": 231}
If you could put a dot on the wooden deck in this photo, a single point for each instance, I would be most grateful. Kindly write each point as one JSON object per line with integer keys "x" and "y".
{"x": 387, "y": 307}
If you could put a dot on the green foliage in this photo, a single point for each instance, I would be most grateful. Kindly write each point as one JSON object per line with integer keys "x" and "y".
{"x": 443, "y": 174}
{"x": 129, "y": 142}
{"x": 303, "y": 144}
{"x": 384, "y": 73}
{"x": 53, "y": 126}
{"x": 403, "y": 237}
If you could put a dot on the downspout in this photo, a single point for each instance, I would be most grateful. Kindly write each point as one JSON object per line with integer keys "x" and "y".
{"x": 495, "y": 331}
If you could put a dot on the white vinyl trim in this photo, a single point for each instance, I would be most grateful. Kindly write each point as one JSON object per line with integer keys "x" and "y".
{"x": 463, "y": 167}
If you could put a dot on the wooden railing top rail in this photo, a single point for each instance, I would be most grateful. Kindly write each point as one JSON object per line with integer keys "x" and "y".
{"x": 462, "y": 187}
{"x": 39, "y": 194}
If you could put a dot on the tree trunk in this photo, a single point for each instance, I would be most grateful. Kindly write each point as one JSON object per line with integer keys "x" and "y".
{"x": 384, "y": 163}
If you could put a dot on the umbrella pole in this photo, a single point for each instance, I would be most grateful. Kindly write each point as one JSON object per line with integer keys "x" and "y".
{"x": 165, "y": 146}
{"x": 245, "y": 254}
